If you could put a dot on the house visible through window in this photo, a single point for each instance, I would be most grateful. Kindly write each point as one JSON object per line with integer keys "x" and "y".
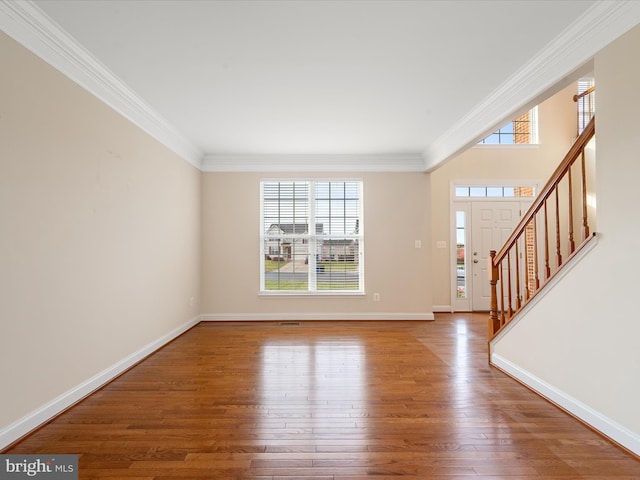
{"x": 522, "y": 130}
{"x": 312, "y": 238}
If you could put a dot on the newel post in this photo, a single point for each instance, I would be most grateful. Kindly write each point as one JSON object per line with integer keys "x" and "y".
{"x": 492, "y": 271}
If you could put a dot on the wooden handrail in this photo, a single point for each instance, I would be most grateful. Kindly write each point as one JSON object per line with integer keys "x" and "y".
{"x": 557, "y": 175}
{"x": 584, "y": 94}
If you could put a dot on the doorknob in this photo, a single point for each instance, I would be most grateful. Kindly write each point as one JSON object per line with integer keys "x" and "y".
{"x": 475, "y": 260}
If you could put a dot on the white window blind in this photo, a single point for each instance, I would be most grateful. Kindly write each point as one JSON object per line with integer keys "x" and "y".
{"x": 311, "y": 236}
{"x": 586, "y": 103}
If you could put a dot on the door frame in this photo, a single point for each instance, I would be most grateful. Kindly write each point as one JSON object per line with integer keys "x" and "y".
{"x": 464, "y": 204}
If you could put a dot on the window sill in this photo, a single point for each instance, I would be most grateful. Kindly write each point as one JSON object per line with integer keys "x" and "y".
{"x": 291, "y": 293}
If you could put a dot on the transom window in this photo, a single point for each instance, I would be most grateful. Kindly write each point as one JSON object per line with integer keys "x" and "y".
{"x": 311, "y": 232}
{"x": 479, "y": 191}
{"x": 520, "y": 131}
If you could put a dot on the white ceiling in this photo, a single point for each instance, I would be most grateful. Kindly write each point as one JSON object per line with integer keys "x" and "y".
{"x": 315, "y": 79}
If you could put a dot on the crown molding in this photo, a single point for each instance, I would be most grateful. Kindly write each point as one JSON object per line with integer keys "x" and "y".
{"x": 31, "y": 27}
{"x": 566, "y": 55}
{"x": 314, "y": 163}
{"x": 601, "y": 24}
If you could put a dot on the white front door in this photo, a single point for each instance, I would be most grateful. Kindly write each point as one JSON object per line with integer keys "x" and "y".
{"x": 491, "y": 224}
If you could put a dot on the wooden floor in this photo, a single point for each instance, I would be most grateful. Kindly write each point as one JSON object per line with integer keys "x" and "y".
{"x": 327, "y": 400}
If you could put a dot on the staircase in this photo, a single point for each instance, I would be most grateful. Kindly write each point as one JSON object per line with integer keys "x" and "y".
{"x": 551, "y": 233}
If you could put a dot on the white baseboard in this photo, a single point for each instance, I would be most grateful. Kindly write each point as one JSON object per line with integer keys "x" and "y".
{"x": 274, "y": 317}
{"x": 595, "y": 419}
{"x": 38, "y": 417}
{"x": 443, "y": 308}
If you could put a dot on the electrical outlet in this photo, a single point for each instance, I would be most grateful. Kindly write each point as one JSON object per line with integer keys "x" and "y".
{"x": 192, "y": 302}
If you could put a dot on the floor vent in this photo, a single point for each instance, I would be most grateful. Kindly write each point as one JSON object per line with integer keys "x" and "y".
{"x": 289, "y": 324}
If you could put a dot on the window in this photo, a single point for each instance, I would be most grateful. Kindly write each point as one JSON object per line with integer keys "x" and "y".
{"x": 461, "y": 254}
{"x": 483, "y": 191}
{"x": 522, "y": 130}
{"x": 586, "y": 100}
{"x": 311, "y": 232}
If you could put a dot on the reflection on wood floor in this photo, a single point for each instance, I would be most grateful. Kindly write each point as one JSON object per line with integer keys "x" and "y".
{"x": 327, "y": 400}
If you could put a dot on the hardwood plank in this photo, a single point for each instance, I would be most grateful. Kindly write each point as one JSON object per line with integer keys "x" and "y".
{"x": 326, "y": 400}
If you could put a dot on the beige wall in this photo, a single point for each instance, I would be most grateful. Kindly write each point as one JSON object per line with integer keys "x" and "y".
{"x": 396, "y": 213}
{"x": 581, "y": 339}
{"x": 557, "y": 131}
{"x": 100, "y": 243}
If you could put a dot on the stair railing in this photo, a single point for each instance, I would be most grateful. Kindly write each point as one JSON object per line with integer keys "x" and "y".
{"x": 533, "y": 253}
